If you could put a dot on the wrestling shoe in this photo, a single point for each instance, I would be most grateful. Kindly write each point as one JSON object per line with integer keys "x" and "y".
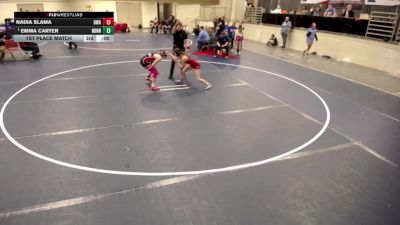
{"x": 155, "y": 88}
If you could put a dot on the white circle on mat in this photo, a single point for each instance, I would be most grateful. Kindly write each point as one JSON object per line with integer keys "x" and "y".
{"x": 121, "y": 49}
{"x": 179, "y": 173}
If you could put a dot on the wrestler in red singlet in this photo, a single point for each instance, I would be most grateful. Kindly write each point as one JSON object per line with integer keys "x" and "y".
{"x": 149, "y": 62}
{"x": 186, "y": 64}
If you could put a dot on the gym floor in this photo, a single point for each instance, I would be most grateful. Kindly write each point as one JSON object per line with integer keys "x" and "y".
{"x": 84, "y": 141}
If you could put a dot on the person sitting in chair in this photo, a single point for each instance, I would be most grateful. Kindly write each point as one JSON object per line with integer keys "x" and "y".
{"x": 31, "y": 46}
{"x": 203, "y": 39}
{"x": 2, "y": 46}
{"x": 155, "y": 25}
{"x": 222, "y": 43}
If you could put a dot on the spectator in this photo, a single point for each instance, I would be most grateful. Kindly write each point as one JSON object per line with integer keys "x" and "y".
{"x": 70, "y": 44}
{"x": 2, "y": 46}
{"x": 9, "y": 28}
{"x": 240, "y": 24}
{"x": 203, "y": 39}
{"x": 215, "y": 22}
{"x": 221, "y": 23}
{"x": 285, "y": 29}
{"x": 311, "y": 35}
{"x": 31, "y": 46}
{"x": 239, "y": 39}
{"x": 170, "y": 24}
{"x": 231, "y": 30}
{"x": 312, "y": 11}
{"x": 277, "y": 10}
{"x": 317, "y": 11}
{"x": 304, "y": 10}
{"x": 164, "y": 26}
{"x": 349, "y": 13}
{"x": 211, "y": 34}
{"x": 218, "y": 31}
{"x": 273, "y": 41}
{"x": 196, "y": 30}
{"x": 156, "y": 24}
{"x": 330, "y": 11}
{"x": 222, "y": 43}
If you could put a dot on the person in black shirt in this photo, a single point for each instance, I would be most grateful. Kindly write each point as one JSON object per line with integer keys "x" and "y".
{"x": 273, "y": 41}
{"x": 348, "y": 12}
{"x": 2, "y": 46}
{"x": 70, "y": 44}
{"x": 222, "y": 43}
{"x": 179, "y": 39}
{"x": 196, "y": 30}
{"x": 31, "y": 46}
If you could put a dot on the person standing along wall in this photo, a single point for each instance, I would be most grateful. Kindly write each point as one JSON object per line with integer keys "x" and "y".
{"x": 285, "y": 29}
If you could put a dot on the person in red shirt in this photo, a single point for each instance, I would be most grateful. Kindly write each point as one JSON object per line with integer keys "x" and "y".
{"x": 187, "y": 64}
{"x": 149, "y": 61}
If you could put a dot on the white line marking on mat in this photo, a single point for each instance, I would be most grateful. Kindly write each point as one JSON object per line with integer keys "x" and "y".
{"x": 131, "y": 40}
{"x": 40, "y": 44}
{"x": 233, "y": 85}
{"x": 95, "y": 197}
{"x": 373, "y": 110}
{"x": 179, "y": 173}
{"x": 128, "y": 124}
{"x": 251, "y": 110}
{"x": 54, "y": 99}
{"x": 322, "y": 71}
{"x": 86, "y": 56}
{"x": 321, "y": 150}
{"x": 318, "y": 122}
{"x": 84, "y": 130}
{"x": 78, "y": 78}
{"x": 164, "y": 88}
{"x": 95, "y": 76}
{"x": 171, "y": 86}
{"x": 121, "y": 49}
{"x": 372, "y": 152}
{"x": 153, "y": 185}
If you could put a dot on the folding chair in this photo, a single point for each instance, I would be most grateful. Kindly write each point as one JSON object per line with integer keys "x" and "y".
{"x": 12, "y": 46}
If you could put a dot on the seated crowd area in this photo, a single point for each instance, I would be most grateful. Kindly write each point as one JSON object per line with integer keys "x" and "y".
{"x": 223, "y": 38}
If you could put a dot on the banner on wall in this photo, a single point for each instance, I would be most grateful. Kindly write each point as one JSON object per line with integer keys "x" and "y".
{"x": 382, "y": 2}
{"x": 346, "y": 2}
{"x": 357, "y": 4}
{"x": 312, "y": 1}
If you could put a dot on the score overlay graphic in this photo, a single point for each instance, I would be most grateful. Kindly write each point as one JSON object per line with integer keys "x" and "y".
{"x": 64, "y": 26}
